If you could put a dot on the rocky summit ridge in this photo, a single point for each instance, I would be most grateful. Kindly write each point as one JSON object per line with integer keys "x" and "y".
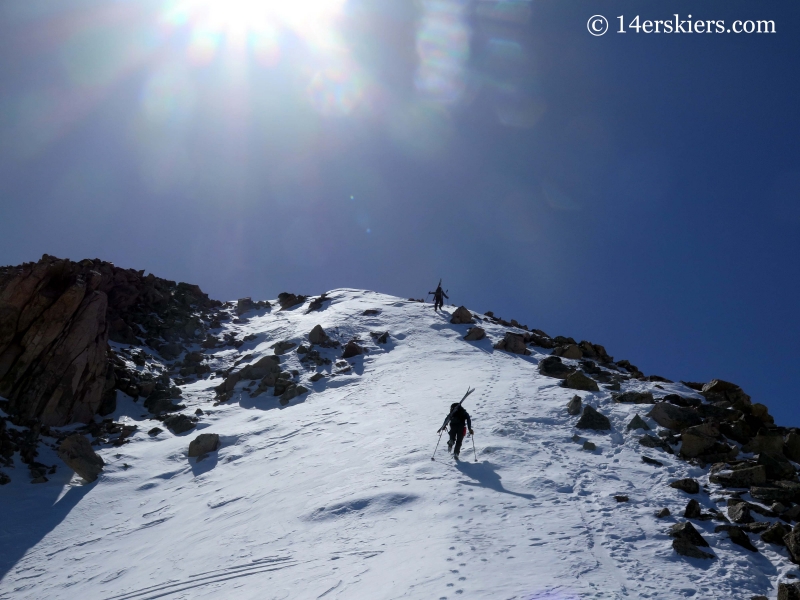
{"x": 112, "y": 373}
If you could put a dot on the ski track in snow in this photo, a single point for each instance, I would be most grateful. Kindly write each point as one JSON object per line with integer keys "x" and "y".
{"x": 335, "y": 495}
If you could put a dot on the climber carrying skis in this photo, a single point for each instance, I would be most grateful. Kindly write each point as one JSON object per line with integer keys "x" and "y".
{"x": 460, "y": 422}
{"x": 439, "y": 296}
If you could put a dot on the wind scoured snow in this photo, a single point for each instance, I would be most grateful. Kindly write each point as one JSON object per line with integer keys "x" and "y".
{"x": 335, "y": 495}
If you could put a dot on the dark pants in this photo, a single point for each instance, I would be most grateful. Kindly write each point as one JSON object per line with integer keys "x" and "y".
{"x": 437, "y": 303}
{"x": 456, "y": 436}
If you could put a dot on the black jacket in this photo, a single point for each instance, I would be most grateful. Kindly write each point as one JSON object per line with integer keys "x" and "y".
{"x": 458, "y": 418}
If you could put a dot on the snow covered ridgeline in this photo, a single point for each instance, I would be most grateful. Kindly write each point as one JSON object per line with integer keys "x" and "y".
{"x": 332, "y": 493}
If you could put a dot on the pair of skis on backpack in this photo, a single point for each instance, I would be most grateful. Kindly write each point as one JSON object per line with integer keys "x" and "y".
{"x": 450, "y": 444}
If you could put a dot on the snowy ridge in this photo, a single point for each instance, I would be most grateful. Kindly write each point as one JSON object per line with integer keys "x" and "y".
{"x": 335, "y": 496}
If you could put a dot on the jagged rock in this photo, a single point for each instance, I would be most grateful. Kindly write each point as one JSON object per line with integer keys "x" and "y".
{"x": 686, "y": 531}
{"x": 634, "y": 398}
{"x": 776, "y": 466}
{"x": 243, "y": 305}
{"x": 587, "y": 445}
{"x": 775, "y": 534}
{"x": 740, "y": 513}
{"x": 792, "y": 514}
{"x": 674, "y": 417}
{"x": 792, "y": 543}
{"x": 739, "y": 430}
{"x": 621, "y": 498}
{"x": 317, "y": 303}
{"x": 574, "y": 406}
{"x": 553, "y": 367}
{"x": 579, "y": 381}
{"x": 765, "y": 441}
{"x": 681, "y": 400}
{"x": 352, "y": 349}
{"x": 287, "y": 300}
{"x": 568, "y": 351}
{"x": 738, "y": 536}
{"x": 283, "y": 347}
{"x": 77, "y": 453}
{"x": 317, "y": 335}
{"x": 697, "y": 440}
{"x": 591, "y": 419}
{"x": 179, "y": 423}
{"x": 718, "y": 389}
{"x": 371, "y": 312}
{"x": 688, "y": 485}
{"x": 663, "y": 513}
{"x": 778, "y": 491}
{"x": 693, "y": 510}
{"x": 686, "y": 548}
{"x": 637, "y": 422}
{"x": 475, "y": 333}
{"x": 744, "y": 477}
{"x": 381, "y": 338}
{"x": 461, "y": 316}
{"x": 292, "y": 391}
{"x": 791, "y": 447}
{"x": 649, "y": 441}
{"x": 613, "y": 386}
{"x": 512, "y": 342}
{"x": 316, "y": 377}
{"x": 652, "y": 461}
{"x": 789, "y": 591}
{"x": 154, "y": 431}
{"x": 203, "y": 443}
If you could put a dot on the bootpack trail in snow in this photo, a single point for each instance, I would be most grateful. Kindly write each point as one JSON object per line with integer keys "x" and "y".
{"x": 321, "y": 483}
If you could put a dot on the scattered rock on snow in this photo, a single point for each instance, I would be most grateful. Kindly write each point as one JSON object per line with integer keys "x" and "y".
{"x": 287, "y": 300}
{"x": 686, "y": 548}
{"x": 243, "y": 305}
{"x": 621, "y": 498}
{"x": 634, "y": 398}
{"x": 474, "y": 334}
{"x": 77, "y": 453}
{"x": 553, "y": 367}
{"x": 179, "y": 423}
{"x": 674, "y": 417}
{"x": 154, "y": 431}
{"x": 688, "y": 485}
{"x": 461, "y": 316}
{"x": 775, "y": 534}
{"x": 698, "y": 439}
{"x": 789, "y": 591}
{"x": 589, "y": 446}
{"x": 574, "y": 406}
{"x": 568, "y": 351}
{"x": 638, "y": 422}
{"x": 742, "y": 477}
{"x": 352, "y": 349}
{"x": 579, "y": 381}
{"x": 792, "y": 543}
{"x": 591, "y": 419}
{"x": 283, "y": 347}
{"x": 317, "y": 376}
{"x": 203, "y": 443}
{"x": 739, "y": 537}
{"x": 514, "y": 343}
{"x": 317, "y": 335}
{"x": 740, "y": 513}
{"x": 693, "y": 510}
{"x": 652, "y": 461}
{"x": 776, "y": 465}
{"x": 663, "y": 513}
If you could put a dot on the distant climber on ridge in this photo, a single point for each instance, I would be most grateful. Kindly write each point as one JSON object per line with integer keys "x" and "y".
{"x": 439, "y": 296}
{"x": 460, "y": 422}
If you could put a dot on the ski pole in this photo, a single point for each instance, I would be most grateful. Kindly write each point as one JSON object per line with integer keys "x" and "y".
{"x": 437, "y": 446}
{"x": 473, "y": 447}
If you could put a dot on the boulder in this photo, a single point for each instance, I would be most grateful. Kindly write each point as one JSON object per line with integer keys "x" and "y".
{"x": 514, "y": 343}
{"x": 589, "y": 446}
{"x": 777, "y": 466}
{"x": 637, "y": 422}
{"x": 681, "y": 400}
{"x": 693, "y": 510}
{"x": 76, "y": 451}
{"x": 553, "y": 367}
{"x": 317, "y": 335}
{"x": 461, "y": 316}
{"x": 352, "y": 349}
{"x": 742, "y": 478}
{"x": 568, "y": 351}
{"x": 634, "y": 398}
{"x": 663, "y": 513}
{"x": 738, "y": 536}
{"x": 291, "y": 392}
{"x": 649, "y": 441}
{"x": 574, "y": 406}
{"x": 243, "y": 305}
{"x": 203, "y": 443}
{"x": 697, "y": 440}
{"x": 686, "y": 531}
{"x": 474, "y": 334}
{"x": 579, "y": 381}
{"x": 791, "y": 514}
{"x": 765, "y": 441}
{"x": 382, "y": 338}
{"x": 674, "y": 417}
{"x": 591, "y": 419}
{"x": 775, "y": 534}
{"x": 778, "y": 491}
{"x": 317, "y": 303}
{"x": 317, "y": 376}
{"x": 652, "y": 461}
{"x": 761, "y": 412}
{"x": 179, "y": 423}
{"x": 792, "y": 543}
{"x": 283, "y": 347}
{"x": 688, "y": 485}
{"x": 739, "y": 430}
{"x": 740, "y": 513}
{"x": 686, "y": 548}
{"x": 789, "y": 590}
{"x": 791, "y": 447}
{"x": 287, "y": 300}
{"x": 718, "y": 390}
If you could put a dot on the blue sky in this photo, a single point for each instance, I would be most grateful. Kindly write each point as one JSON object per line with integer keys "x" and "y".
{"x": 641, "y": 191}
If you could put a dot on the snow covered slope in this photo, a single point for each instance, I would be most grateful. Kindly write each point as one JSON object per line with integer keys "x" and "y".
{"x": 335, "y": 495}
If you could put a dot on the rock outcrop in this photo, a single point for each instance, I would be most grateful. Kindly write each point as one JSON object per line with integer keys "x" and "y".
{"x": 475, "y": 333}
{"x": 462, "y": 316}
{"x": 203, "y": 444}
{"x": 553, "y": 367}
{"x": 512, "y": 342}
{"x": 591, "y": 419}
{"x": 580, "y": 381}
